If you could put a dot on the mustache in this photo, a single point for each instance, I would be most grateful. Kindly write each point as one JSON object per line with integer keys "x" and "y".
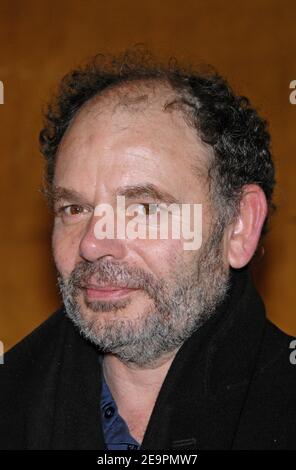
{"x": 117, "y": 274}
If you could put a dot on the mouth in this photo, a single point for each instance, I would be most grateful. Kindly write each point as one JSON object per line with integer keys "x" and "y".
{"x": 94, "y": 292}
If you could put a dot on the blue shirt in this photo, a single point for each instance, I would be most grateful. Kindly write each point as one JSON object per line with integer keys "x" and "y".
{"x": 116, "y": 432}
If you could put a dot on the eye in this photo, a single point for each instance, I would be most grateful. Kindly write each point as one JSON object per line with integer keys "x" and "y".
{"x": 143, "y": 209}
{"x": 72, "y": 211}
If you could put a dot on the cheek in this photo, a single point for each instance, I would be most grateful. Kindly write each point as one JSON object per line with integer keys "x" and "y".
{"x": 160, "y": 256}
{"x": 65, "y": 248}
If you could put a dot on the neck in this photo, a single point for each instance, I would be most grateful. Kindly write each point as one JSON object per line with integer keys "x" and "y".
{"x": 135, "y": 389}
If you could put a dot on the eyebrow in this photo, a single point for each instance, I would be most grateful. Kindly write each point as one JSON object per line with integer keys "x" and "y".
{"x": 55, "y": 194}
{"x": 147, "y": 190}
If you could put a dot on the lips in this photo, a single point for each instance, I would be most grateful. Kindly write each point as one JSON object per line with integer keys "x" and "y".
{"x": 107, "y": 292}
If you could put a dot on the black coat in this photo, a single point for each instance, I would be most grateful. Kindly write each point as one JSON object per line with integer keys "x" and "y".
{"x": 230, "y": 386}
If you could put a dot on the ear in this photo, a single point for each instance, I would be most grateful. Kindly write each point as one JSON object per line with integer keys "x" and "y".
{"x": 244, "y": 233}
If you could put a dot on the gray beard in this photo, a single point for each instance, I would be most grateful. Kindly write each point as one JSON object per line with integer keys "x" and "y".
{"x": 178, "y": 309}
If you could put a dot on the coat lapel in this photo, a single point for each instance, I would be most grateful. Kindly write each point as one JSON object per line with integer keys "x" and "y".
{"x": 77, "y": 406}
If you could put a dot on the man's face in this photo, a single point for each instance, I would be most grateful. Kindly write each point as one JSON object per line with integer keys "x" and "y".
{"x": 137, "y": 298}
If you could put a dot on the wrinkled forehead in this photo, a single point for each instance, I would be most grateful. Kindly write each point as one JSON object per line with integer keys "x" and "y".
{"x": 127, "y": 136}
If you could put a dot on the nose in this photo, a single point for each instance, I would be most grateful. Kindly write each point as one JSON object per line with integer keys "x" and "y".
{"x": 91, "y": 248}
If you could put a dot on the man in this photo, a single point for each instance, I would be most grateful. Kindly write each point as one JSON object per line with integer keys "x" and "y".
{"x": 155, "y": 346}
